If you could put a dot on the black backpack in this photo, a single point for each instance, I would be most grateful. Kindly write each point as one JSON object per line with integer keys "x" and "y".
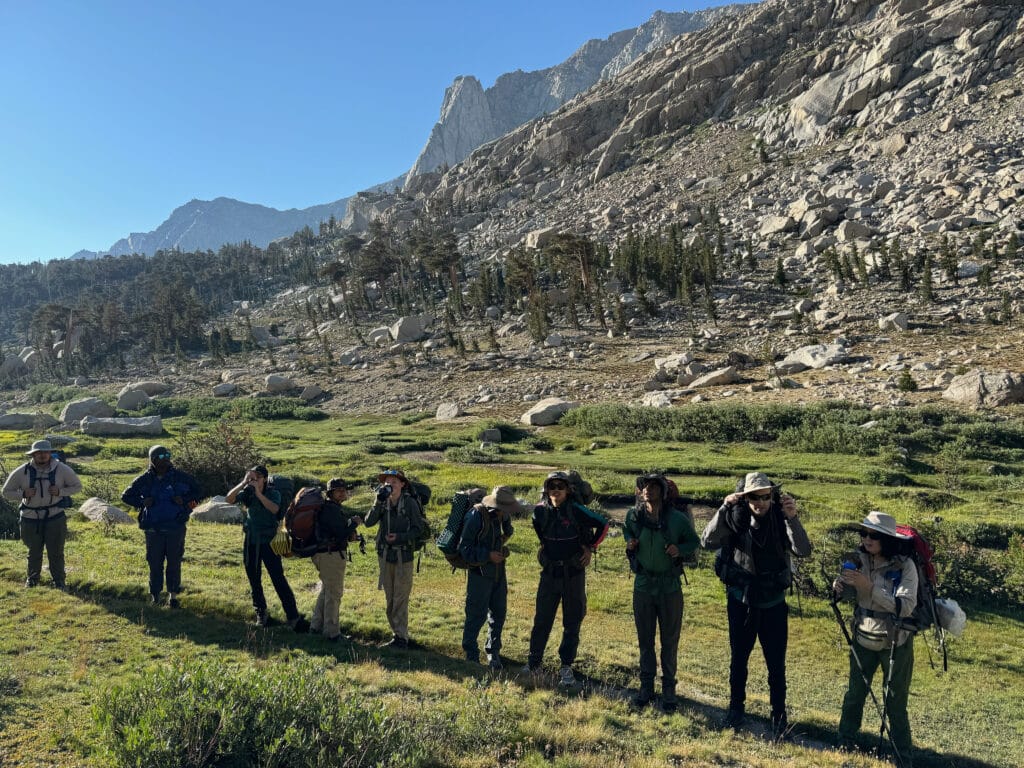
{"x": 283, "y": 485}
{"x": 451, "y": 536}
{"x": 421, "y": 492}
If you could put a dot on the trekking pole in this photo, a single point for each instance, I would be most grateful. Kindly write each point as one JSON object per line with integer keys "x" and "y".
{"x": 864, "y": 677}
{"x": 887, "y": 683}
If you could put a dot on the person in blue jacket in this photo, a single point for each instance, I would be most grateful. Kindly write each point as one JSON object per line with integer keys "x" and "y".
{"x": 569, "y": 534}
{"x": 164, "y": 497}
{"x": 488, "y": 526}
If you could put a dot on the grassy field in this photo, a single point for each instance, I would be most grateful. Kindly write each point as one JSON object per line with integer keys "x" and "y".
{"x": 72, "y": 664}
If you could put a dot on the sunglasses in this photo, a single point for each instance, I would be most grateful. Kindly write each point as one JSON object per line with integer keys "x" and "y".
{"x": 557, "y": 486}
{"x": 871, "y": 535}
{"x": 759, "y": 496}
{"x": 161, "y": 455}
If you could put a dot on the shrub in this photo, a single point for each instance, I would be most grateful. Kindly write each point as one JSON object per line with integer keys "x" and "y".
{"x": 202, "y": 713}
{"x": 906, "y": 381}
{"x": 473, "y": 454}
{"x": 269, "y": 408}
{"x": 53, "y": 393}
{"x": 217, "y": 458}
{"x": 510, "y": 433}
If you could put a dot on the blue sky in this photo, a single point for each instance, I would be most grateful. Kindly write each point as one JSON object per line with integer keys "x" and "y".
{"x": 115, "y": 113}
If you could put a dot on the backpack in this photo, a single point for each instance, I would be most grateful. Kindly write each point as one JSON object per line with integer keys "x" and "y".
{"x": 926, "y": 613}
{"x": 583, "y": 490}
{"x": 302, "y": 521}
{"x": 63, "y": 502}
{"x": 283, "y": 485}
{"x": 421, "y": 492}
{"x": 677, "y": 502}
{"x": 451, "y": 536}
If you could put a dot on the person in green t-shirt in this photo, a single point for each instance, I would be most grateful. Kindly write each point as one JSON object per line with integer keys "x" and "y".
{"x": 658, "y": 536}
{"x": 263, "y": 512}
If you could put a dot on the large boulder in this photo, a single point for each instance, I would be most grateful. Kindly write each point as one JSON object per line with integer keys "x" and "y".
{"x": 410, "y": 329}
{"x": 225, "y": 389}
{"x": 151, "y": 388}
{"x": 277, "y": 384}
{"x": 217, "y": 510}
{"x": 13, "y": 366}
{"x": 77, "y": 410}
{"x": 981, "y": 389}
{"x": 263, "y": 337}
{"x": 895, "y": 322}
{"x": 813, "y": 356}
{"x": 717, "y": 378}
{"x": 379, "y": 336}
{"x": 99, "y": 511}
{"x": 132, "y": 400}
{"x": 149, "y": 426}
{"x": 547, "y": 411}
{"x": 448, "y": 412}
{"x": 23, "y": 421}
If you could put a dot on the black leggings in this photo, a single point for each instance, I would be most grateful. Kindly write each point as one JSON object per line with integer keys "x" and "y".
{"x": 771, "y": 627}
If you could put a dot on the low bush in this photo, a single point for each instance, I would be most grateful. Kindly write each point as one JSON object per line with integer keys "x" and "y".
{"x": 473, "y": 454}
{"x": 270, "y": 408}
{"x": 53, "y": 393}
{"x": 197, "y": 713}
{"x": 217, "y": 458}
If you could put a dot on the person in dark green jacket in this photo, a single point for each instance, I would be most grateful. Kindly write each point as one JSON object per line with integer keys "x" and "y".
{"x": 262, "y": 514}
{"x": 658, "y": 536}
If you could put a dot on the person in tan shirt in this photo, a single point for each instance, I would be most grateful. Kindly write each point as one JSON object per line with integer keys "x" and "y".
{"x": 44, "y": 487}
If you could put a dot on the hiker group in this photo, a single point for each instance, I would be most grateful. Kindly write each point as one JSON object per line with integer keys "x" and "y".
{"x": 756, "y": 532}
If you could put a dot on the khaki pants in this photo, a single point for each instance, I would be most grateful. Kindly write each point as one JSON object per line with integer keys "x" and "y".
{"x": 51, "y": 534}
{"x": 396, "y": 581}
{"x": 331, "y": 566}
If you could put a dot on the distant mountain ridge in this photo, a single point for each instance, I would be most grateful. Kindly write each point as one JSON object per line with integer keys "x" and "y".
{"x": 472, "y": 116}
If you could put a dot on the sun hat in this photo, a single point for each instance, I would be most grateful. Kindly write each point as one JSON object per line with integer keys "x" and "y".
{"x": 336, "y": 482}
{"x": 653, "y": 477}
{"x": 562, "y": 476}
{"x": 392, "y": 473}
{"x": 756, "y": 481}
{"x": 39, "y": 445}
{"x": 504, "y": 500}
{"x": 883, "y": 523}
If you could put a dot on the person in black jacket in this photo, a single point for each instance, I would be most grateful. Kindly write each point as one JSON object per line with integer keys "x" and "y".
{"x": 569, "y": 534}
{"x": 337, "y": 527}
{"x": 164, "y": 496}
{"x": 758, "y": 532}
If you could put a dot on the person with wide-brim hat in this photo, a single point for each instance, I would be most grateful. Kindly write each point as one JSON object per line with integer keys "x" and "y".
{"x": 337, "y": 527}
{"x": 397, "y": 513}
{"x": 758, "y": 532}
{"x": 885, "y": 587}
{"x": 485, "y": 532}
{"x": 43, "y": 487}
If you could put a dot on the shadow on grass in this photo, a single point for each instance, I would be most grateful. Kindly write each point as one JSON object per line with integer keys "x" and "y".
{"x": 228, "y": 626}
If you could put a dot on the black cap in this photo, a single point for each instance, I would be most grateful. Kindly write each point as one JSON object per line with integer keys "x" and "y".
{"x": 159, "y": 452}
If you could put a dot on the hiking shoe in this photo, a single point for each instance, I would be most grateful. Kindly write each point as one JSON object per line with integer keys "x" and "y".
{"x": 494, "y": 662}
{"x": 780, "y": 727}
{"x": 733, "y": 719}
{"x": 396, "y": 642}
{"x": 528, "y": 670}
{"x": 299, "y": 624}
{"x": 172, "y": 602}
{"x": 29, "y": 583}
{"x": 412, "y": 645}
{"x": 262, "y": 618}
{"x": 60, "y": 587}
{"x": 565, "y": 676}
{"x": 642, "y": 699}
{"x": 154, "y": 599}
{"x": 668, "y": 707}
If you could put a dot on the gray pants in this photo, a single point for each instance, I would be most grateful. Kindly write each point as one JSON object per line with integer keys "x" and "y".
{"x": 50, "y": 534}
{"x": 165, "y": 547}
{"x": 486, "y": 602}
{"x": 651, "y": 612}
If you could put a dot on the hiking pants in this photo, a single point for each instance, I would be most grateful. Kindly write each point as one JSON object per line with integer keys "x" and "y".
{"x": 486, "y": 601}
{"x": 771, "y": 627}
{"x": 331, "y": 566}
{"x": 255, "y": 556}
{"x": 169, "y": 547}
{"x": 568, "y": 587}
{"x": 50, "y": 534}
{"x": 899, "y": 692}
{"x": 396, "y": 581}
{"x": 650, "y": 612}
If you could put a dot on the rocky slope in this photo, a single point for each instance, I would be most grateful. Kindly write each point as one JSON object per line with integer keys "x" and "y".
{"x": 471, "y": 115}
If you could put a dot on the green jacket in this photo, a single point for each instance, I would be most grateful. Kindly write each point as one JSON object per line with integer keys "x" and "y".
{"x": 260, "y": 523}
{"x": 656, "y": 572}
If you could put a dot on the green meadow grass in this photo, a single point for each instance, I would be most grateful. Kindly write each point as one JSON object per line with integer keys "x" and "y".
{"x": 66, "y": 658}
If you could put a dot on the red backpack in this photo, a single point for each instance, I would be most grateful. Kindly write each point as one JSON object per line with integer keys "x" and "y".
{"x": 302, "y": 521}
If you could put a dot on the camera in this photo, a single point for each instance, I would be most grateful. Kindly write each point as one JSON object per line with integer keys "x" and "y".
{"x": 383, "y": 492}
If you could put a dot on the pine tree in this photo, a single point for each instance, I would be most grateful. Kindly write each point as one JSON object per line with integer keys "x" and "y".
{"x": 780, "y": 273}
{"x": 927, "y": 291}
{"x": 948, "y": 259}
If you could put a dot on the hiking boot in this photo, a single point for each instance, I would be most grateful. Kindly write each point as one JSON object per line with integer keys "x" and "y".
{"x": 494, "y": 662}
{"x": 396, "y": 642}
{"x": 154, "y": 599}
{"x": 668, "y": 707}
{"x": 299, "y": 624}
{"x": 412, "y": 645}
{"x": 733, "y": 719}
{"x": 780, "y": 727}
{"x": 642, "y": 699}
{"x": 528, "y": 670}
{"x": 262, "y": 618}
{"x": 565, "y": 676}
{"x": 60, "y": 587}
{"x": 172, "y": 602}
{"x": 29, "y": 583}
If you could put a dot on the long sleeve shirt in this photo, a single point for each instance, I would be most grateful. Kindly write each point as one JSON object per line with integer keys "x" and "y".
{"x": 43, "y": 504}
